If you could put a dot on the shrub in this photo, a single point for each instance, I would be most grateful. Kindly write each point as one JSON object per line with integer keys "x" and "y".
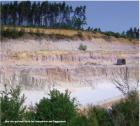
{"x": 12, "y": 104}
{"x": 58, "y": 107}
{"x": 117, "y": 35}
{"x": 98, "y": 117}
{"x": 126, "y": 113}
{"x": 11, "y": 33}
{"x": 79, "y": 120}
{"x": 83, "y": 47}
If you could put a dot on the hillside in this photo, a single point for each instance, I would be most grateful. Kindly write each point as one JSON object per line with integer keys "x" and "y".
{"x": 44, "y": 58}
{"x": 18, "y": 32}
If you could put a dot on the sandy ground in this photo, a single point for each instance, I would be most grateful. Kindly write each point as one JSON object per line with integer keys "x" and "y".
{"x": 19, "y": 45}
{"x": 97, "y": 95}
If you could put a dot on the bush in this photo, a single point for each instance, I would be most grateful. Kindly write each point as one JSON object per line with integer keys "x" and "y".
{"x": 11, "y": 33}
{"x": 126, "y": 113}
{"x": 12, "y": 105}
{"x": 30, "y": 114}
{"x": 79, "y": 120}
{"x": 58, "y": 107}
{"x": 83, "y": 47}
{"x": 98, "y": 117}
{"x": 117, "y": 35}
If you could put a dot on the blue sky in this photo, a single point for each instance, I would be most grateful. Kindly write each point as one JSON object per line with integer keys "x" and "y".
{"x": 114, "y": 16}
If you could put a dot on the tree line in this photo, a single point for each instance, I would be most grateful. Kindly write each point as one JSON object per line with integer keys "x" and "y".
{"x": 132, "y": 33}
{"x": 53, "y": 15}
{"x": 46, "y": 14}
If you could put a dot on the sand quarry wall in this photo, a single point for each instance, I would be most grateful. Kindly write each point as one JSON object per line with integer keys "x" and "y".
{"x": 34, "y": 63}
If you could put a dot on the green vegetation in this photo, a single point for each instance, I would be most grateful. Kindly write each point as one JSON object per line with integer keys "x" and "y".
{"x": 51, "y": 15}
{"x": 59, "y": 106}
{"x": 132, "y": 33}
{"x": 82, "y": 47}
{"x": 11, "y": 33}
{"x": 117, "y": 35}
{"x": 12, "y": 104}
{"x": 126, "y": 113}
{"x": 43, "y": 14}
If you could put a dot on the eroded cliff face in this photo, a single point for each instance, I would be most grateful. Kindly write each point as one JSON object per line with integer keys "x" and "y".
{"x": 39, "y": 65}
{"x": 44, "y": 76}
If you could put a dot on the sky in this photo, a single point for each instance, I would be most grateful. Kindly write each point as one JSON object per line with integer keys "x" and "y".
{"x": 114, "y": 16}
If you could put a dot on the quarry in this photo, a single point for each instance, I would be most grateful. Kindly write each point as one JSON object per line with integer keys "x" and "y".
{"x": 39, "y": 64}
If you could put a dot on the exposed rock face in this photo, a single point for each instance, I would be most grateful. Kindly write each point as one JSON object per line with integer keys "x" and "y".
{"x": 70, "y": 57}
{"x": 44, "y": 64}
{"x": 38, "y": 77}
{"x": 81, "y": 58}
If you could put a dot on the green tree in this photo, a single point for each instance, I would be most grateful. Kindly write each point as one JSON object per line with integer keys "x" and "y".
{"x": 79, "y": 120}
{"x": 79, "y": 18}
{"x": 58, "y": 107}
{"x": 12, "y": 104}
{"x": 47, "y": 14}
